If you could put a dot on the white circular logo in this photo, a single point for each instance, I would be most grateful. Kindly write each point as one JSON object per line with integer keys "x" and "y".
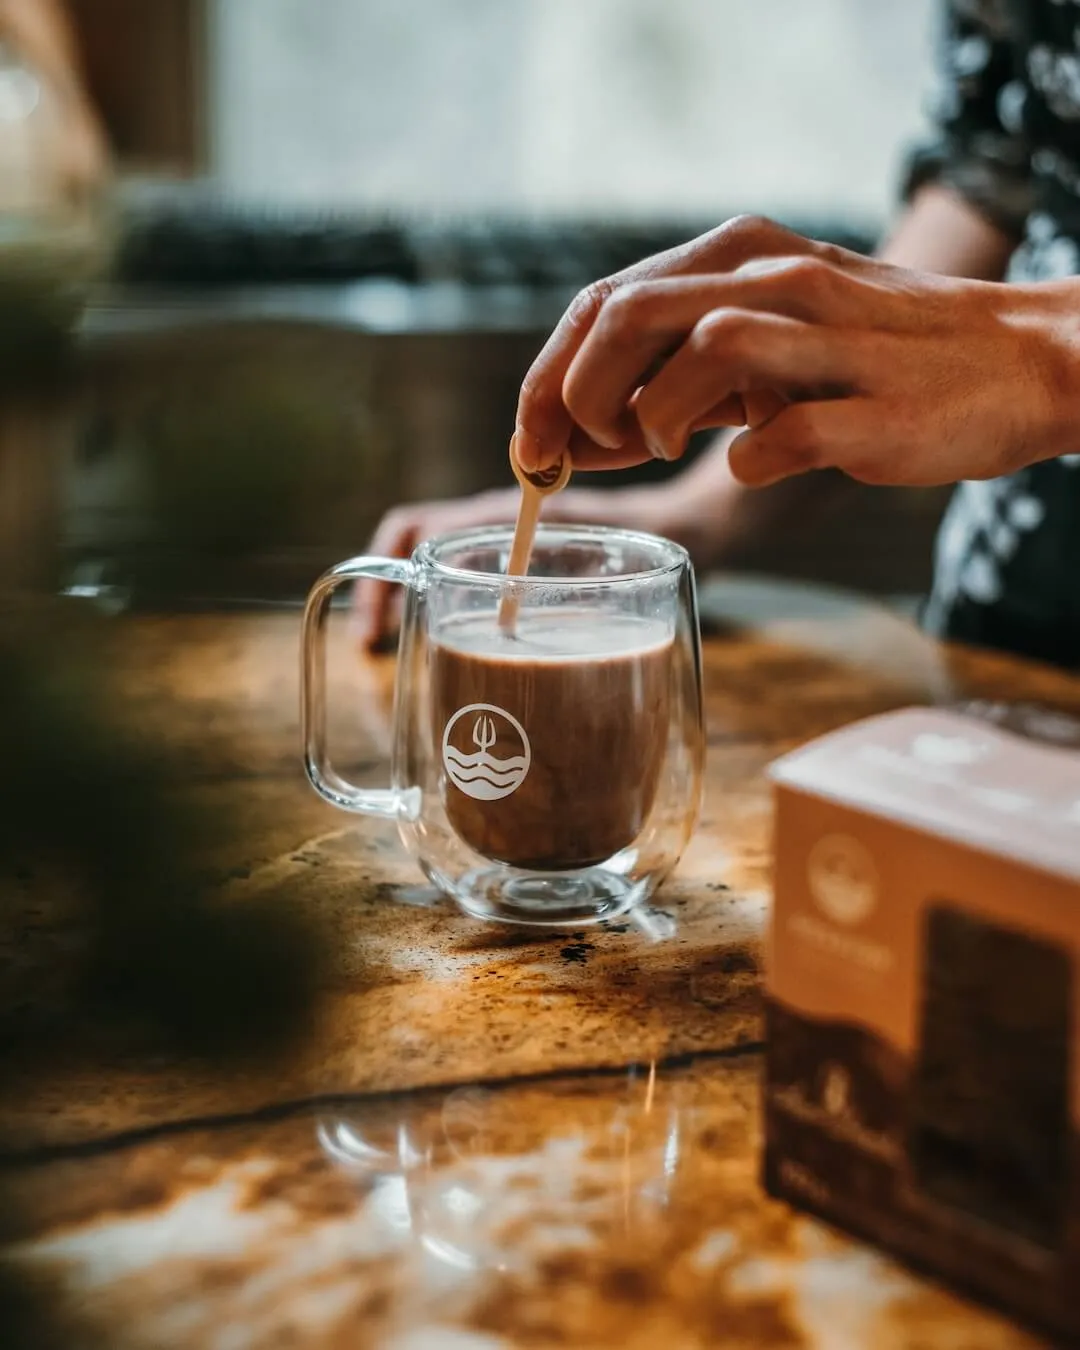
{"x": 842, "y": 877}
{"x": 485, "y": 752}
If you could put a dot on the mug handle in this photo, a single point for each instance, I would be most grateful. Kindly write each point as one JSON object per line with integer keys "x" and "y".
{"x": 392, "y": 803}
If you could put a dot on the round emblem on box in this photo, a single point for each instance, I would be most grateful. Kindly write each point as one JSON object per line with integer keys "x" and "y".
{"x": 842, "y": 878}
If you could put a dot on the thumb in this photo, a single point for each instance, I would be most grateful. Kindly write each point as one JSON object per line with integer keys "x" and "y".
{"x": 801, "y": 437}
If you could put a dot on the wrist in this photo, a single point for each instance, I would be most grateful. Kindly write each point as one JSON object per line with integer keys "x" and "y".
{"x": 669, "y": 511}
{"x": 1055, "y": 331}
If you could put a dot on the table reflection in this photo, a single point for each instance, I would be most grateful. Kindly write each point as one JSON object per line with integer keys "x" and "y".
{"x": 456, "y": 1178}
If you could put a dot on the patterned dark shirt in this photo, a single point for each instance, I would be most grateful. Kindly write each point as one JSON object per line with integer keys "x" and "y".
{"x": 1008, "y": 116}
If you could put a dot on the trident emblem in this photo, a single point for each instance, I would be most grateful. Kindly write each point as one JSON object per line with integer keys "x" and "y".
{"x": 483, "y": 734}
{"x": 479, "y": 772}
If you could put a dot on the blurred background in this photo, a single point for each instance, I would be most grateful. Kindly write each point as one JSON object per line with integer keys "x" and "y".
{"x": 339, "y": 232}
{"x": 607, "y": 108}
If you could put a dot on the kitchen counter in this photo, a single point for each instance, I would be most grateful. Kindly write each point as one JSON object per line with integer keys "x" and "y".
{"x": 486, "y": 1138}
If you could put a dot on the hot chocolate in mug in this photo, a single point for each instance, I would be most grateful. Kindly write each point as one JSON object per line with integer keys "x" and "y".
{"x": 550, "y": 774}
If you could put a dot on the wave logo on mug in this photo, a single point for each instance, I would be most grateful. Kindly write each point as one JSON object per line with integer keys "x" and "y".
{"x": 485, "y": 752}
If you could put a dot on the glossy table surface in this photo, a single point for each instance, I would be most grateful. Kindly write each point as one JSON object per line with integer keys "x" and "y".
{"x": 486, "y": 1138}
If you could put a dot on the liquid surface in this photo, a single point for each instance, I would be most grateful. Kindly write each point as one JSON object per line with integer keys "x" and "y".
{"x": 554, "y": 635}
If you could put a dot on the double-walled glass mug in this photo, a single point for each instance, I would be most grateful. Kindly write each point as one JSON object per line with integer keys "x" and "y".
{"x": 550, "y": 772}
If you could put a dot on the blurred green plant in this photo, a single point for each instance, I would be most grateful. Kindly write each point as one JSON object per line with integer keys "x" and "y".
{"x": 47, "y": 272}
{"x": 87, "y": 801}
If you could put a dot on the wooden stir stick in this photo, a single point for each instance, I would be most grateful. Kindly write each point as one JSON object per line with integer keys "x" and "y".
{"x": 534, "y": 488}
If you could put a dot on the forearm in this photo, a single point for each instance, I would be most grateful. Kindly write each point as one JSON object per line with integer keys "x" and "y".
{"x": 716, "y": 518}
{"x": 940, "y": 232}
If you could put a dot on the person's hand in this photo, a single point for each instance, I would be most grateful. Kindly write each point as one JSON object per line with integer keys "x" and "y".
{"x": 547, "y": 426}
{"x": 377, "y": 606}
{"x": 74, "y": 152}
{"x": 831, "y": 359}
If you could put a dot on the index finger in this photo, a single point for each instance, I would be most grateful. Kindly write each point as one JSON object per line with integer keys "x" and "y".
{"x": 543, "y": 426}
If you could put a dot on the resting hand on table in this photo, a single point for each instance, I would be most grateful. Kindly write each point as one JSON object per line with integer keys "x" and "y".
{"x": 828, "y": 358}
{"x": 377, "y": 605}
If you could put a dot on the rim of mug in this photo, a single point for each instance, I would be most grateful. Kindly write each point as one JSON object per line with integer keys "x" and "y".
{"x": 679, "y": 559}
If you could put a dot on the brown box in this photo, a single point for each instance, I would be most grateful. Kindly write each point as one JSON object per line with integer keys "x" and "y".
{"x": 923, "y": 1065}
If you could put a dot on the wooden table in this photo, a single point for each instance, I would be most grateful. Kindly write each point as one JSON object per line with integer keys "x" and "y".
{"x": 487, "y": 1138}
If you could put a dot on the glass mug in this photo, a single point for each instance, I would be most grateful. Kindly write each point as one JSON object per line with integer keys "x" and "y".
{"x": 551, "y": 775}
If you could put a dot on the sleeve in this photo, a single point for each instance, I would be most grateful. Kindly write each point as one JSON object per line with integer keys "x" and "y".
{"x": 978, "y": 148}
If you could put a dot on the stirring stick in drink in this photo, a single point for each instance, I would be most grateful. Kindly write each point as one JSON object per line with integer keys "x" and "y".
{"x": 534, "y": 488}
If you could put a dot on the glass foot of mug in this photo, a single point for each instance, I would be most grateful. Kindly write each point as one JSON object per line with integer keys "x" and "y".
{"x": 547, "y": 899}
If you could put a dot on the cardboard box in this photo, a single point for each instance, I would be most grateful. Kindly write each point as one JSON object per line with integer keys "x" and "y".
{"x": 923, "y": 1001}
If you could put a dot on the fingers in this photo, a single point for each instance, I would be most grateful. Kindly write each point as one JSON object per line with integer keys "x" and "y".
{"x": 543, "y": 423}
{"x": 760, "y": 405}
{"x": 841, "y": 434}
{"x": 640, "y": 326}
{"x": 736, "y": 351}
{"x": 587, "y": 455}
{"x": 375, "y": 604}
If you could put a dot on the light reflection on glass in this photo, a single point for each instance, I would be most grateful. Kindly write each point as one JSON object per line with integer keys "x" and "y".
{"x": 344, "y": 1145}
